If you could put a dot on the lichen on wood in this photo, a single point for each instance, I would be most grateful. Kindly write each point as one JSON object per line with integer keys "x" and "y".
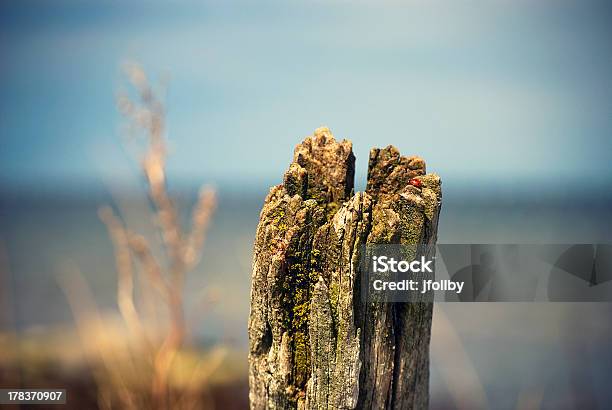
{"x": 313, "y": 342}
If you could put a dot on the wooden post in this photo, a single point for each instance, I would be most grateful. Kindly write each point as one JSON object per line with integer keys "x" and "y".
{"x": 313, "y": 342}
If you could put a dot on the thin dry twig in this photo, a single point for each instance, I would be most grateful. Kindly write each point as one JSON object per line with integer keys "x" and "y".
{"x": 124, "y": 265}
{"x": 146, "y": 114}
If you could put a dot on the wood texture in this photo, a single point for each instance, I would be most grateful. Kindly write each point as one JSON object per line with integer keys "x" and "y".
{"x": 313, "y": 342}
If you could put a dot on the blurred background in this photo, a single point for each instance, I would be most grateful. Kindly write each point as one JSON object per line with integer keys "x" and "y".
{"x": 510, "y": 102}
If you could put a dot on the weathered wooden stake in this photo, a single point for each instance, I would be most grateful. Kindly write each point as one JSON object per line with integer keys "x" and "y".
{"x": 313, "y": 342}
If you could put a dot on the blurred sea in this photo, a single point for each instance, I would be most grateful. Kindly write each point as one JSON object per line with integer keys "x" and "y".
{"x": 500, "y": 354}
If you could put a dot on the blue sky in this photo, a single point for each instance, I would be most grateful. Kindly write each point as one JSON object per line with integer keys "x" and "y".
{"x": 482, "y": 90}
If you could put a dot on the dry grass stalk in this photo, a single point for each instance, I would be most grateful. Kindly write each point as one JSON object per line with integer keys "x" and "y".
{"x": 146, "y": 114}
